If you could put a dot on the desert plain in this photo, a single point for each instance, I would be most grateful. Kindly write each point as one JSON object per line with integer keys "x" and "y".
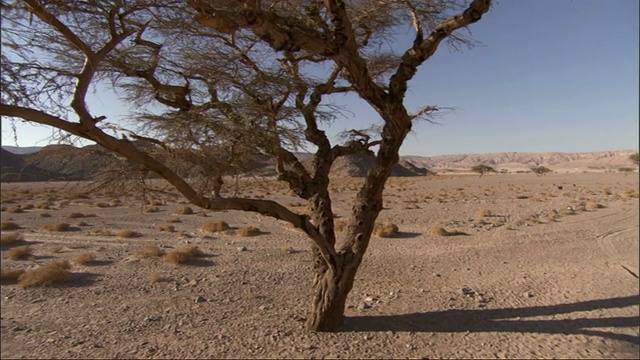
{"x": 498, "y": 266}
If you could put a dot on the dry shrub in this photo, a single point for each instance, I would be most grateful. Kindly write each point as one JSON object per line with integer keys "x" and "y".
{"x": 44, "y": 215}
{"x": 57, "y": 249}
{"x": 484, "y": 213}
{"x": 214, "y": 226}
{"x": 439, "y": 231}
{"x": 166, "y": 228}
{"x": 9, "y": 226}
{"x": 11, "y": 238}
{"x": 385, "y": 229}
{"x": 84, "y": 258}
{"x": 75, "y": 215}
{"x": 152, "y": 209}
{"x": 148, "y": 251}
{"x": 15, "y": 210}
{"x": 155, "y": 277}
{"x": 127, "y": 234}
{"x": 101, "y": 232}
{"x": 173, "y": 220}
{"x": 103, "y": 205}
{"x": 52, "y": 273}
{"x": 183, "y": 255}
{"x": 56, "y": 227}
{"x": 77, "y": 246}
{"x": 10, "y": 275}
{"x": 248, "y": 231}
{"x": 594, "y": 205}
{"x": 19, "y": 253}
{"x": 185, "y": 210}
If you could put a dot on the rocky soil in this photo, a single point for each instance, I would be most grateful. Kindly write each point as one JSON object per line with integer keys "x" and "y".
{"x": 532, "y": 267}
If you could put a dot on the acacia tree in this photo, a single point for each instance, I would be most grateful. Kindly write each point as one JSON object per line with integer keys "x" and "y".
{"x": 223, "y": 67}
{"x": 483, "y": 169}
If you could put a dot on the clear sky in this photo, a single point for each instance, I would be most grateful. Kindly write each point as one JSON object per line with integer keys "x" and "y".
{"x": 550, "y": 75}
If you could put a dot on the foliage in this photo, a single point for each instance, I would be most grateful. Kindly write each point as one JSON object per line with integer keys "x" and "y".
{"x": 483, "y": 169}
{"x": 541, "y": 170}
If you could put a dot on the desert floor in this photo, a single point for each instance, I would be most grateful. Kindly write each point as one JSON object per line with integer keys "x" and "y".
{"x": 531, "y": 267}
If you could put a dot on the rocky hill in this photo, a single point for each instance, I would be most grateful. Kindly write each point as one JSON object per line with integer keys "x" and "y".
{"x": 64, "y": 162}
{"x": 515, "y": 161}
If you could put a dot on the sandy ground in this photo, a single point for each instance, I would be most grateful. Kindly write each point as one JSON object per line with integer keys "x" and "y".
{"x": 523, "y": 283}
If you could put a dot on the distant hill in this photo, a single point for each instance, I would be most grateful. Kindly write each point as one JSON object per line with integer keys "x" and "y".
{"x": 65, "y": 162}
{"x": 21, "y": 150}
{"x": 514, "y": 161}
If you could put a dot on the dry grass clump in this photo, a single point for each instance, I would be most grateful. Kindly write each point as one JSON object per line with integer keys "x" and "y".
{"x": 385, "y": 229}
{"x": 85, "y": 258}
{"x": 248, "y": 231}
{"x": 152, "y": 209}
{"x": 52, "y": 273}
{"x": 11, "y": 238}
{"x": 214, "y": 226}
{"x": 127, "y": 234}
{"x": 103, "y": 205}
{"x": 591, "y": 205}
{"x": 166, "y": 228}
{"x": 15, "y": 210}
{"x": 9, "y": 226}
{"x": 182, "y": 255}
{"x": 101, "y": 232}
{"x": 80, "y": 223}
{"x": 10, "y": 275}
{"x": 439, "y": 231}
{"x": 173, "y": 220}
{"x": 56, "y": 227}
{"x": 44, "y": 215}
{"x": 57, "y": 249}
{"x": 148, "y": 251}
{"x": 185, "y": 210}
{"x": 76, "y": 215}
{"x": 155, "y": 277}
{"x": 19, "y": 253}
{"x": 483, "y": 213}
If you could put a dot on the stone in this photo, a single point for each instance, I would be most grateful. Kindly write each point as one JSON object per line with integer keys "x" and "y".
{"x": 242, "y": 248}
{"x": 200, "y": 299}
{"x": 363, "y": 306}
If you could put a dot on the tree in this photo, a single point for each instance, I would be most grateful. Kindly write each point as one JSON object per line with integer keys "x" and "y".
{"x": 635, "y": 158}
{"x": 541, "y": 170}
{"x": 252, "y": 77}
{"x": 482, "y": 169}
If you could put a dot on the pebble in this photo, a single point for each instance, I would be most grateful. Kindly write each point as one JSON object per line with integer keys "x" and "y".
{"x": 527, "y": 295}
{"x": 200, "y": 299}
{"x": 363, "y": 306}
{"x": 242, "y": 248}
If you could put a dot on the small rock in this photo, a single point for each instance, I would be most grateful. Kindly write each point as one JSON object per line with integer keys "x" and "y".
{"x": 153, "y": 318}
{"x": 242, "y": 248}
{"x": 264, "y": 307}
{"x": 193, "y": 282}
{"x": 527, "y": 295}
{"x": 200, "y": 299}
{"x": 363, "y": 306}
{"x": 367, "y": 337}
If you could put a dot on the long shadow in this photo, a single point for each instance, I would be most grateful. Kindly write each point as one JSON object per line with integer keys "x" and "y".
{"x": 507, "y": 320}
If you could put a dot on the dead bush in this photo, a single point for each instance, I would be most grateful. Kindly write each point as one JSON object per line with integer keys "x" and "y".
{"x": 214, "y": 226}
{"x": 152, "y": 209}
{"x": 53, "y": 273}
{"x": 19, "y": 253}
{"x": 166, "y": 228}
{"x": 56, "y": 227}
{"x": 248, "y": 231}
{"x": 85, "y": 258}
{"x": 591, "y": 205}
{"x": 148, "y": 251}
{"x": 10, "y": 275}
{"x": 127, "y": 234}
{"x": 185, "y": 210}
{"x": 101, "y": 232}
{"x": 182, "y": 255}
{"x": 9, "y": 226}
{"x": 11, "y": 238}
{"x": 385, "y": 229}
{"x": 44, "y": 215}
{"x": 15, "y": 210}
{"x": 439, "y": 231}
{"x": 483, "y": 213}
{"x": 75, "y": 215}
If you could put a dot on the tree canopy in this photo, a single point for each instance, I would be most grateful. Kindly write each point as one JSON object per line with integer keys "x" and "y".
{"x": 216, "y": 82}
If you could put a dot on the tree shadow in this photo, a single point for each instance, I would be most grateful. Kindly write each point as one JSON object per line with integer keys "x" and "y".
{"x": 507, "y": 320}
{"x": 406, "y": 235}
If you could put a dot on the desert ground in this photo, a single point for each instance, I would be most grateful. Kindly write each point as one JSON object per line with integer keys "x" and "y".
{"x": 499, "y": 266}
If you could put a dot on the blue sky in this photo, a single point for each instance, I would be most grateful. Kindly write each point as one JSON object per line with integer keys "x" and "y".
{"x": 550, "y": 75}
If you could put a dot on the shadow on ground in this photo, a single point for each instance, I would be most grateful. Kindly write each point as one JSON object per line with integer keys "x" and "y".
{"x": 508, "y": 320}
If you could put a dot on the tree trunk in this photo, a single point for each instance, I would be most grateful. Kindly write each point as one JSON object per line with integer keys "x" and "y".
{"x": 330, "y": 291}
